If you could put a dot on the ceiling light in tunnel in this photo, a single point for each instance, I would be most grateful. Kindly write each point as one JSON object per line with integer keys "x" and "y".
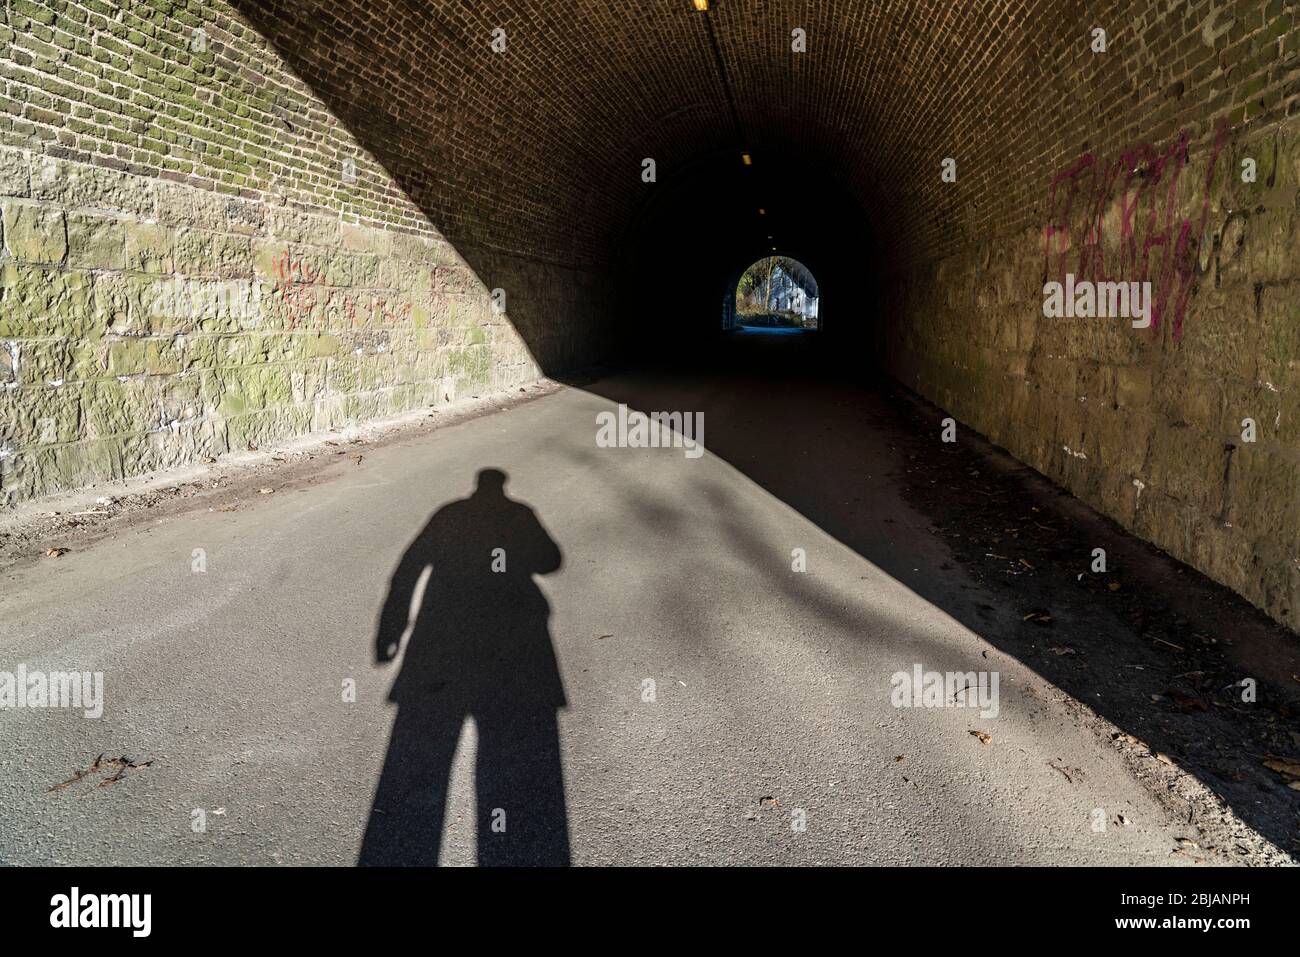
{"x": 746, "y": 159}
{"x": 762, "y": 212}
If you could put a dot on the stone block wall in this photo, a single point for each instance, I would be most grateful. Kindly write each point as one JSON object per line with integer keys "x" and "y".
{"x": 146, "y": 323}
{"x": 197, "y": 257}
{"x": 1149, "y": 426}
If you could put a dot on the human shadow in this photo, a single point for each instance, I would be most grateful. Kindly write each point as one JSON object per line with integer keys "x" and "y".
{"x": 478, "y": 645}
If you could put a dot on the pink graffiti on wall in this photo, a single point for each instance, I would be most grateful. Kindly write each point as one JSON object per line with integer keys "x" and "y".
{"x": 298, "y": 282}
{"x": 1154, "y": 243}
{"x": 294, "y": 281}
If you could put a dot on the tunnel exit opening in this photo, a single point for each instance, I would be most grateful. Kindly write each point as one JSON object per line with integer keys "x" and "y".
{"x": 775, "y": 294}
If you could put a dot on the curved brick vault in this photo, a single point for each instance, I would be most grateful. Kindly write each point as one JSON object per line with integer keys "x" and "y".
{"x": 537, "y": 151}
{"x": 370, "y": 169}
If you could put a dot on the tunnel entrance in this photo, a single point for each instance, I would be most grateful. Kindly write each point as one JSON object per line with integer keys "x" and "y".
{"x": 774, "y": 294}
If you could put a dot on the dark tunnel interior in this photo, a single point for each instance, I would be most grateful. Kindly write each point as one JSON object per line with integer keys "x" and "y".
{"x": 563, "y": 190}
{"x": 493, "y": 225}
{"x": 541, "y": 176}
{"x": 720, "y": 216}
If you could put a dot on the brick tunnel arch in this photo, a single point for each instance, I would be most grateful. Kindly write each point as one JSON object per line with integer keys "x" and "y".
{"x": 518, "y": 132}
{"x": 407, "y": 201}
{"x": 529, "y": 160}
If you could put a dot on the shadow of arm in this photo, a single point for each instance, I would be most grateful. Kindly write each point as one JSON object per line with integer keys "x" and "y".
{"x": 396, "y": 613}
{"x": 547, "y": 553}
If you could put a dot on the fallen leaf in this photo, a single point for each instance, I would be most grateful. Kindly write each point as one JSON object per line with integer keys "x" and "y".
{"x": 1286, "y": 767}
{"x": 1062, "y": 650}
{"x": 984, "y": 736}
{"x": 1185, "y": 702}
{"x": 119, "y": 765}
{"x": 265, "y": 491}
{"x": 55, "y": 552}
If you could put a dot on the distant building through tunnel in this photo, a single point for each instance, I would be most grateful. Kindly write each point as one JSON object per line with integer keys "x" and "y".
{"x": 774, "y": 292}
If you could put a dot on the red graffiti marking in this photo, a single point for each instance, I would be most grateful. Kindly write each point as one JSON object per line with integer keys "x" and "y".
{"x": 1160, "y": 247}
{"x": 390, "y": 316}
{"x": 297, "y": 283}
{"x": 1058, "y": 221}
{"x": 294, "y": 282}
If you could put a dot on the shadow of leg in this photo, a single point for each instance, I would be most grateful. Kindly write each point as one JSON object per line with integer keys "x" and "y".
{"x": 406, "y": 818}
{"x": 522, "y": 819}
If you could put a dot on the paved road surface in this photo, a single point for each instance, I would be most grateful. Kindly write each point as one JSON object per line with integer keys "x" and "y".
{"x": 770, "y": 737}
